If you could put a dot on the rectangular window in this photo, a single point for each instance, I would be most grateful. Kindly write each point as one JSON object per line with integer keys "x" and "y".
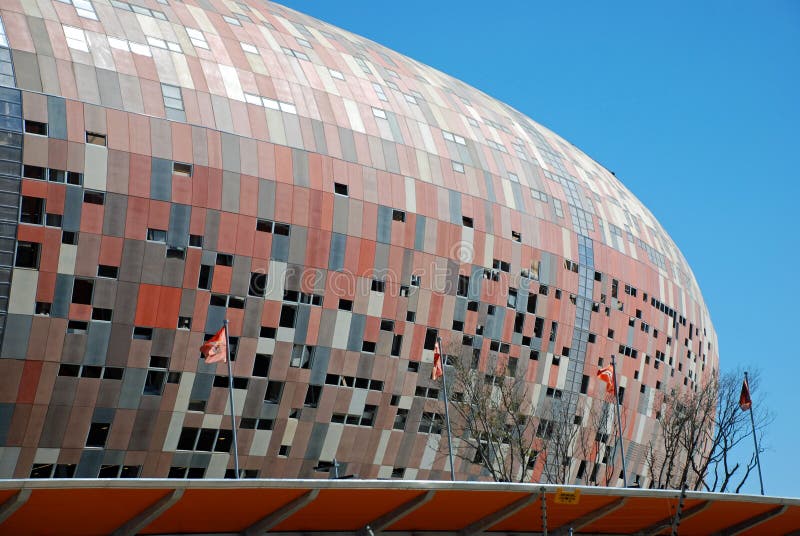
{"x": 173, "y": 102}
{"x": 95, "y": 139}
{"x": 32, "y": 210}
{"x": 258, "y": 284}
{"x": 35, "y": 127}
{"x": 33, "y": 172}
{"x": 274, "y": 392}
{"x": 98, "y": 433}
{"x": 157, "y": 235}
{"x": 206, "y": 275}
{"x": 302, "y": 356}
{"x": 53, "y": 220}
{"x": 313, "y": 395}
{"x": 94, "y": 198}
{"x": 197, "y": 38}
{"x": 181, "y": 168}
{"x": 143, "y": 334}
{"x": 82, "y": 290}
{"x": 288, "y": 316}
{"x": 103, "y": 315}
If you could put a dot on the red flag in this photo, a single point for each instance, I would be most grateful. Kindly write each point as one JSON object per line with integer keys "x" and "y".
{"x": 437, "y": 371}
{"x": 215, "y": 349}
{"x": 606, "y": 374}
{"x": 744, "y": 399}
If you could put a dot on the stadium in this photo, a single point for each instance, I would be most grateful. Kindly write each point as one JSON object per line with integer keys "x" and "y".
{"x": 169, "y": 165}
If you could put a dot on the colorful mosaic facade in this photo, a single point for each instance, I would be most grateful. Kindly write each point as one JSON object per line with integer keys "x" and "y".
{"x": 166, "y": 164}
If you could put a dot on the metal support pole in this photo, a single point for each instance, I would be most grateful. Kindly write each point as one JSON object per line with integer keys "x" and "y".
{"x": 755, "y": 439}
{"x": 619, "y": 422}
{"x": 544, "y": 513}
{"x": 230, "y": 392}
{"x": 447, "y": 411}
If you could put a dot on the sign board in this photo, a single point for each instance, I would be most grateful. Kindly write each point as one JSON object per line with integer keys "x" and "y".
{"x": 568, "y": 497}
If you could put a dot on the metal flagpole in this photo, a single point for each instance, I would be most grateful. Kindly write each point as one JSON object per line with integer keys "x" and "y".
{"x": 447, "y": 411}
{"x": 619, "y": 422}
{"x": 755, "y": 439}
{"x": 230, "y": 392}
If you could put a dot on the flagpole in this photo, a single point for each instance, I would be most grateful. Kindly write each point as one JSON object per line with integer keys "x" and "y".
{"x": 619, "y": 422}
{"x": 230, "y": 393}
{"x": 755, "y": 439}
{"x": 447, "y": 413}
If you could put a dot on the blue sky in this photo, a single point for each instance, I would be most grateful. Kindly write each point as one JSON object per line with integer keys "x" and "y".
{"x": 696, "y": 108}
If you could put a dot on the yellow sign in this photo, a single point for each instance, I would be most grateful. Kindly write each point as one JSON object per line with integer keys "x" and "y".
{"x": 568, "y": 497}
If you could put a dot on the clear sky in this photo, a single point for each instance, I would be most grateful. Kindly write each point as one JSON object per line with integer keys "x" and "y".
{"x": 696, "y": 108}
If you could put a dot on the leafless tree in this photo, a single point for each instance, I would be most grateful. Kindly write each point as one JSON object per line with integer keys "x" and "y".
{"x": 501, "y": 427}
{"x": 491, "y": 415}
{"x": 698, "y": 431}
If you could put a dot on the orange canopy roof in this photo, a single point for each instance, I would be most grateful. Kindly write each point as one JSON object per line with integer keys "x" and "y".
{"x": 142, "y": 506}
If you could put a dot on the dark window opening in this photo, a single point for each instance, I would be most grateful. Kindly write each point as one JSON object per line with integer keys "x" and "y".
{"x": 397, "y": 343}
{"x": 258, "y": 284}
{"x": 313, "y": 395}
{"x": 98, "y": 433}
{"x": 288, "y": 316}
{"x": 181, "y": 168}
{"x": 35, "y": 127}
{"x": 176, "y": 253}
{"x": 224, "y": 259}
{"x": 27, "y": 255}
{"x": 261, "y": 365}
{"x": 105, "y": 270}
{"x": 69, "y": 237}
{"x": 274, "y": 392}
{"x": 33, "y": 172}
{"x": 32, "y": 210}
{"x": 154, "y": 382}
{"x": 103, "y": 315}
{"x": 206, "y": 274}
{"x": 82, "y": 290}
{"x": 267, "y": 332}
{"x": 94, "y": 198}
{"x": 53, "y": 220}
{"x": 340, "y": 189}
{"x": 142, "y": 333}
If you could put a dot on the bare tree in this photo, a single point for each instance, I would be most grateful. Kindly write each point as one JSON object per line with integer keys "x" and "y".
{"x": 514, "y": 438}
{"x": 694, "y": 446}
{"x": 491, "y": 414}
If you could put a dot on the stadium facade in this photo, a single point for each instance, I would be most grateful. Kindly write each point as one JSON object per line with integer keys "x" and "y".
{"x": 168, "y": 164}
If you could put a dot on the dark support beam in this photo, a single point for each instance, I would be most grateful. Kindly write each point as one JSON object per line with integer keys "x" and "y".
{"x": 149, "y": 514}
{"x": 655, "y": 528}
{"x": 496, "y": 517}
{"x": 278, "y": 516}
{"x": 578, "y": 523}
{"x": 390, "y": 518}
{"x": 13, "y": 504}
{"x": 754, "y": 521}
